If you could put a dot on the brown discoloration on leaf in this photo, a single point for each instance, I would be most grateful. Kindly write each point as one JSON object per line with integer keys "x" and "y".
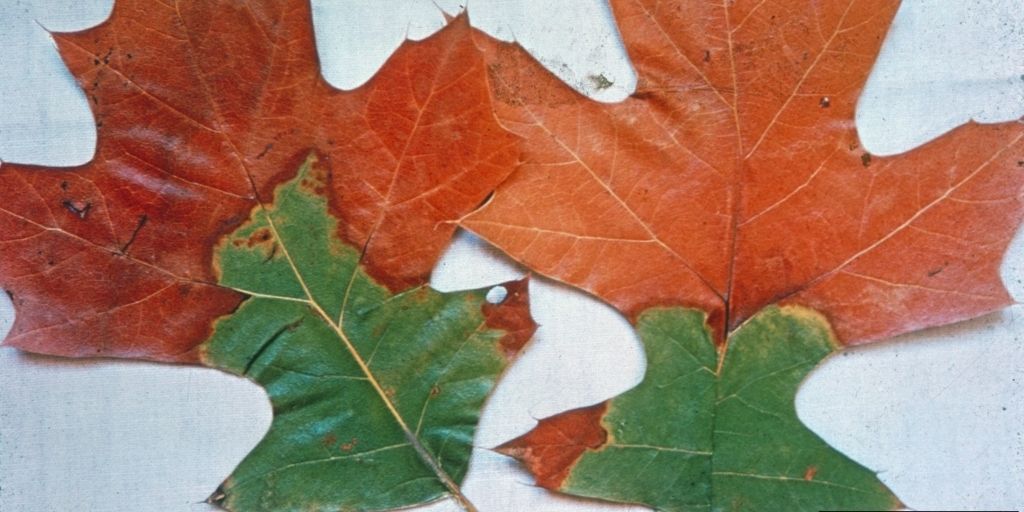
{"x": 349, "y": 446}
{"x": 552, "y": 448}
{"x": 512, "y": 315}
{"x": 195, "y": 131}
{"x": 330, "y": 440}
{"x": 317, "y": 177}
{"x": 865, "y": 159}
{"x": 259, "y": 237}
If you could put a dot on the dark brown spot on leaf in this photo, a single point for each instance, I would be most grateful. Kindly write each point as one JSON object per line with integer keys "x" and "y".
{"x": 266, "y": 149}
{"x": 330, "y": 440}
{"x": 79, "y": 208}
{"x": 349, "y": 446}
{"x": 259, "y": 237}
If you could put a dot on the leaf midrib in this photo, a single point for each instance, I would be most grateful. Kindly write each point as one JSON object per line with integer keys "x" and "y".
{"x": 421, "y": 450}
{"x": 424, "y": 454}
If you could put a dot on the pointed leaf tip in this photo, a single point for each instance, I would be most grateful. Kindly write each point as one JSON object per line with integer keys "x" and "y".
{"x": 552, "y": 448}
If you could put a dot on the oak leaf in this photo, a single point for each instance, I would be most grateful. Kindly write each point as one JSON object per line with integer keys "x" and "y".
{"x": 733, "y": 182}
{"x": 242, "y": 214}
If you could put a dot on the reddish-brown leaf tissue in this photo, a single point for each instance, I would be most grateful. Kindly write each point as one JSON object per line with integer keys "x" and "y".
{"x": 202, "y": 109}
{"x": 734, "y": 178}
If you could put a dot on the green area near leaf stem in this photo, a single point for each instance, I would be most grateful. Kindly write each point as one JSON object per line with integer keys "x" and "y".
{"x": 695, "y": 436}
{"x": 375, "y": 395}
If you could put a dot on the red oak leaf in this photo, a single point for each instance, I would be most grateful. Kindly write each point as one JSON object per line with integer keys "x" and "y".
{"x": 202, "y": 108}
{"x": 733, "y": 178}
{"x": 730, "y": 199}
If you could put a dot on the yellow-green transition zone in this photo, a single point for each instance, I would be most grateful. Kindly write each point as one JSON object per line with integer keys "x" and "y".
{"x": 693, "y": 436}
{"x": 375, "y": 395}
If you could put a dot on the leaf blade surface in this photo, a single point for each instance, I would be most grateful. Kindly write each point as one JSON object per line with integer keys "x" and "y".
{"x": 374, "y": 413}
{"x": 695, "y": 437}
{"x": 735, "y": 174}
{"x": 733, "y": 182}
{"x": 190, "y": 237}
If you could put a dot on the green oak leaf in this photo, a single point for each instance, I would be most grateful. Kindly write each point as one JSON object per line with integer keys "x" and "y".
{"x": 375, "y": 395}
{"x": 699, "y": 435}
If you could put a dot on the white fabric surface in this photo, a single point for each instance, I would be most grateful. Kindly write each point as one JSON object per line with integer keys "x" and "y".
{"x": 939, "y": 413}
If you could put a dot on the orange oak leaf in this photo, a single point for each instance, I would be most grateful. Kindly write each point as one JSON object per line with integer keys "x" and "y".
{"x": 733, "y": 178}
{"x": 202, "y": 109}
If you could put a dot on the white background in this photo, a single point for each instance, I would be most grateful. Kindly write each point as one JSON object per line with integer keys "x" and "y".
{"x": 940, "y": 414}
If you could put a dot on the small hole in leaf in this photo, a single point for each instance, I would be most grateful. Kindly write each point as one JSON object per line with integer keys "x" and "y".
{"x": 497, "y": 295}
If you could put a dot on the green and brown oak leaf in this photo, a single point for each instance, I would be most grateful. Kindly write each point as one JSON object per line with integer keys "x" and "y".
{"x": 242, "y": 214}
{"x": 732, "y": 185}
